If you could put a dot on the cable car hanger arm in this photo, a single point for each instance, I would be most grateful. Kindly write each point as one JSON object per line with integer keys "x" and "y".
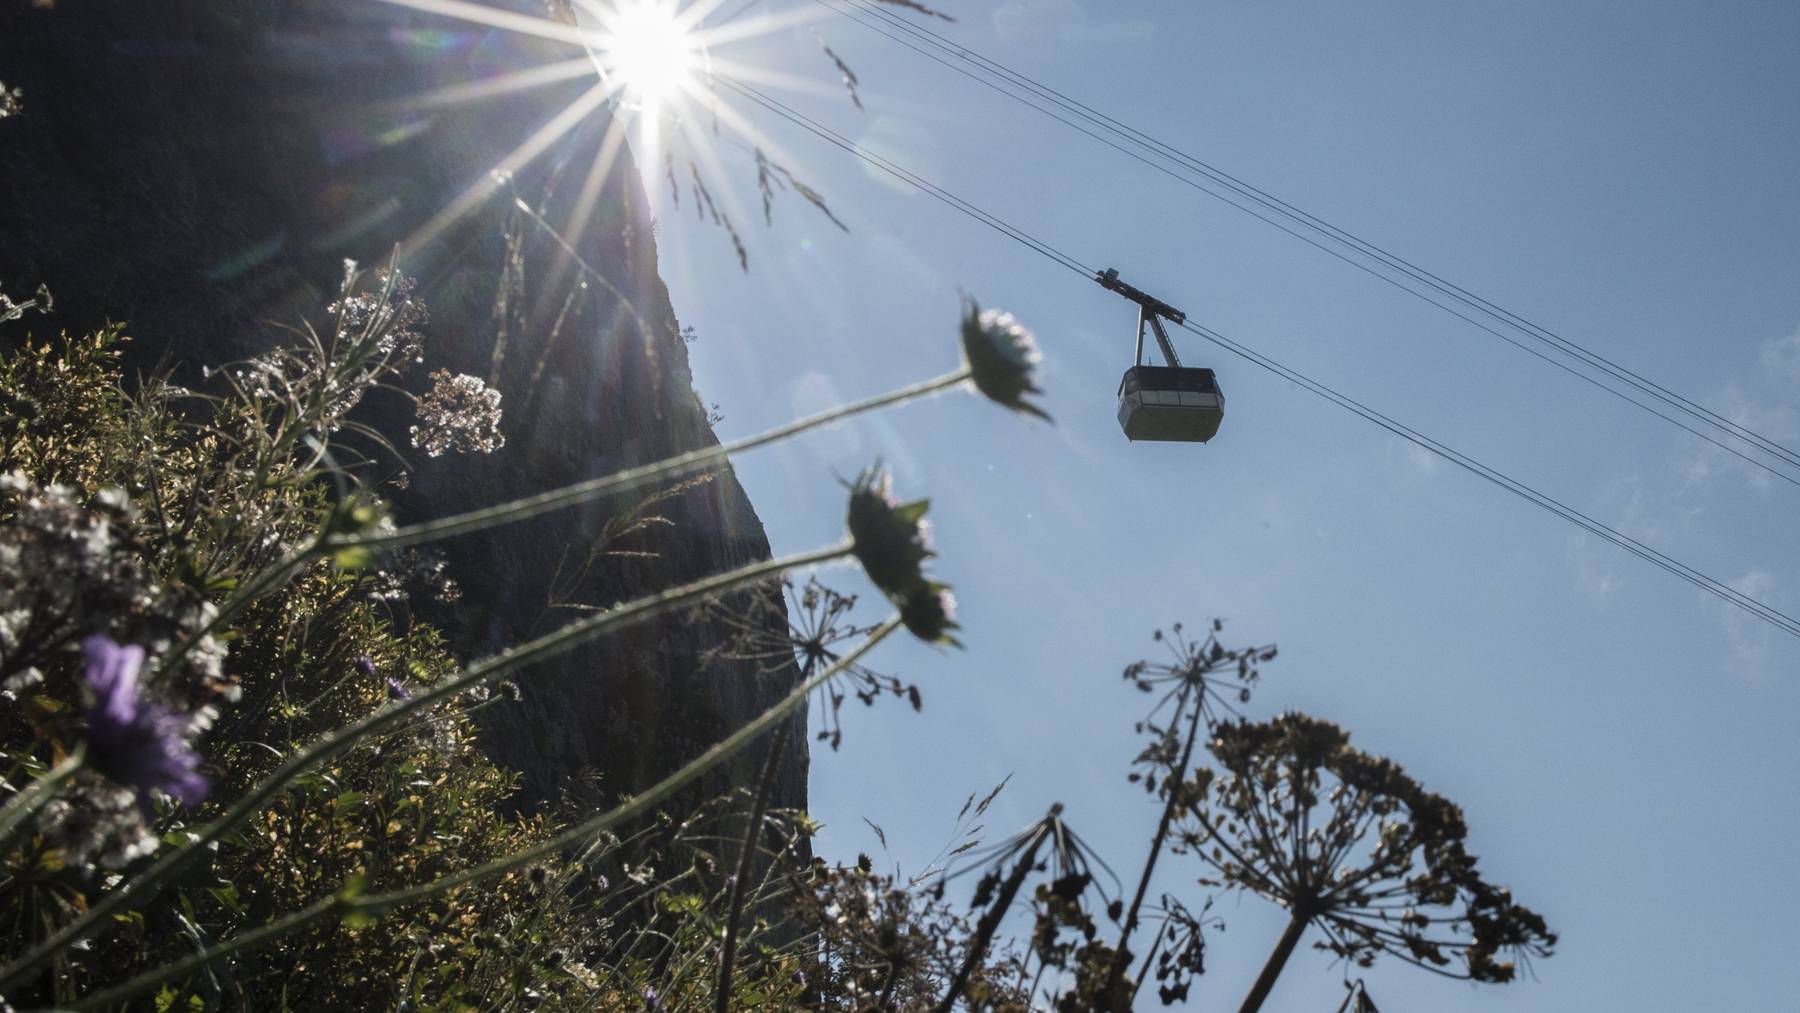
{"x": 1151, "y": 310}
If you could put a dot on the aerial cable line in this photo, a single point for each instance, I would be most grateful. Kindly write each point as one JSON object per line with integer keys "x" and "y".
{"x": 1731, "y": 596}
{"x": 1302, "y": 236}
{"x": 1249, "y": 192}
{"x": 1674, "y": 566}
{"x": 899, "y": 172}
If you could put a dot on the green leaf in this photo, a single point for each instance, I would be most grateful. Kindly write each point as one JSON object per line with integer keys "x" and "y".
{"x": 169, "y": 999}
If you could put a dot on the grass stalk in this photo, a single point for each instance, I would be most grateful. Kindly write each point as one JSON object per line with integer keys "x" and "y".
{"x": 669, "y": 469}
{"x": 752, "y": 833}
{"x": 24, "y": 805}
{"x": 990, "y": 920}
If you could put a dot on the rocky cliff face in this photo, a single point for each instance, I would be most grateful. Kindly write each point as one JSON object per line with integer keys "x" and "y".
{"x": 200, "y": 169}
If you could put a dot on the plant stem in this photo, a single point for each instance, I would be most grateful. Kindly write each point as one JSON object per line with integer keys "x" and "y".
{"x": 990, "y": 921}
{"x": 25, "y": 804}
{"x": 1277, "y": 960}
{"x": 380, "y": 904}
{"x": 752, "y": 832}
{"x": 550, "y": 645}
{"x": 1121, "y": 955}
{"x": 682, "y": 466}
{"x": 1149, "y": 958}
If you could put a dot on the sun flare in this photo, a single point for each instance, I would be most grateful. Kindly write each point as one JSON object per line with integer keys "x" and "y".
{"x": 657, "y": 63}
{"x": 646, "y": 48}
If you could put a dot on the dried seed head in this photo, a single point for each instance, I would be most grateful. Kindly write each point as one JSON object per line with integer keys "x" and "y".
{"x": 930, "y": 613}
{"x": 892, "y": 539}
{"x": 459, "y": 413}
{"x": 1002, "y": 357}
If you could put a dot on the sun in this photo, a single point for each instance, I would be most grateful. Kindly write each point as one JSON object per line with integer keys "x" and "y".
{"x": 657, "y": 63}
{"x": 645, "y": 48}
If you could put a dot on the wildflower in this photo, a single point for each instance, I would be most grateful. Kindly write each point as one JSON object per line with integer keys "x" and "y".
{"x": 459, "y": 413}
{"x": 653, "y": 1003}
{"x": 892, "y": 539}
{"x": 930, "y": 613}
{"x": 11, "y": 101}
{"x": 133, "y": 741}
{"x": 365, "y": 665}
{"x": 1002, "y": 357}
{"x": 396, "y": 690}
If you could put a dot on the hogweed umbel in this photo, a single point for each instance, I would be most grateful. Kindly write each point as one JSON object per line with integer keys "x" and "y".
{"x": 1350, "y": 844}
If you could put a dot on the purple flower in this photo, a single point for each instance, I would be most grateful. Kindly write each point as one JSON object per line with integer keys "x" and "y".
{"x": 133, "y": 741}
{"x": 653, "y": 1003}
{"x": 365, "y": 665}
{"x": 396, "y": 691}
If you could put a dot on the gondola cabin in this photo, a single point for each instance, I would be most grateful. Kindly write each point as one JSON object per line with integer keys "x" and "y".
{"x": 1170, "y": 403}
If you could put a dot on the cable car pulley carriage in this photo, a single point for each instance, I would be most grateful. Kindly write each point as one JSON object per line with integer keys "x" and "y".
{"x": 1173, "y": 403}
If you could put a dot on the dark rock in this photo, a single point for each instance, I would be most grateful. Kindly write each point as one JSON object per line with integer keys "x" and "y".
{"x": 200, "y": 169}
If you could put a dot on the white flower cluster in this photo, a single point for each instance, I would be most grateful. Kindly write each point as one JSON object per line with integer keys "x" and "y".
{"x": 96, "y": 821}
{"x": 388, "y": 318}
{"x": 65, "y": 570}
{"x": 309, "y": 382}
{"x": 459, "y": 413}
{"x": 415, "y": 575}
{"x": 68, "y": 570}
{"x": 376, "y": 334}
{"x": 12, "y": 101}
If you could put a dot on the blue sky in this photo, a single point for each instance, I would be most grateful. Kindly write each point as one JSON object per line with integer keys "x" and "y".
{"x": 1623, "y": 173}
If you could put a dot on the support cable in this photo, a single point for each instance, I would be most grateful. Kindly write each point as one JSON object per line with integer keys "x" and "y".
{"x": 922, "y": 40}
{"x": 1710, "y": 585}
{"x": 826, "y": 133}
{"x": 1731, "y": 596}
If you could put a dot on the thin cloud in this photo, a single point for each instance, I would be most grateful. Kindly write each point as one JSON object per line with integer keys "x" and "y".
{"x": 1595, "y": 575}
{"x": 1749, "y": 642}
{"x": 1782, "y": 357}
{"x": 1762, "y": 403}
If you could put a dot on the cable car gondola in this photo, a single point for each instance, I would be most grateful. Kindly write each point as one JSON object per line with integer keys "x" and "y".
{"x": 1172, "y": 403}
